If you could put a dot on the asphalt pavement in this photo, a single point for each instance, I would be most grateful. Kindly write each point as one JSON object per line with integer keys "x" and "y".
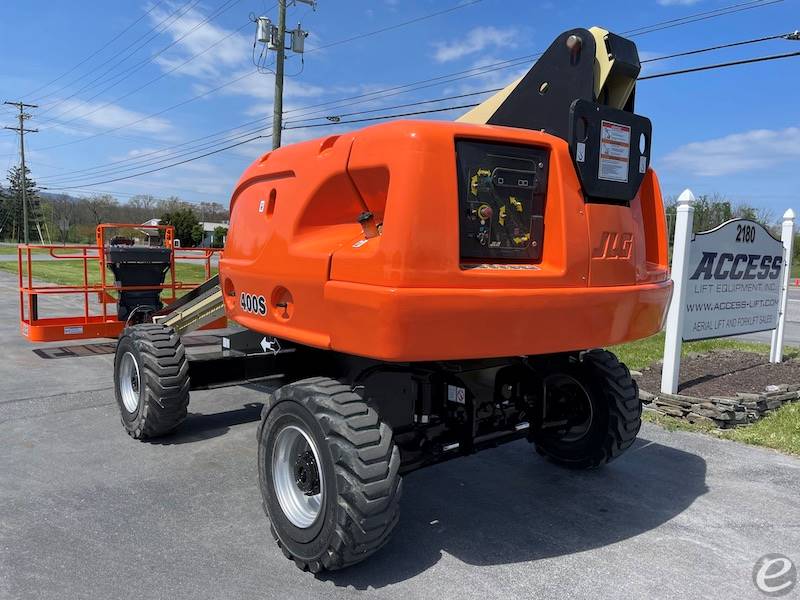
{"x": 792, "y": 329}
{"x": 87, "y": 512}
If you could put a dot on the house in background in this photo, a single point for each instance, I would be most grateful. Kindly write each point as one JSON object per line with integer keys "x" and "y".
{"x": 152, "y": 237}
{"x": 208, "y": 232}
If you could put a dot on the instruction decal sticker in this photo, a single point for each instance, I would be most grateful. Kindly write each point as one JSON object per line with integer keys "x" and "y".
{"x": 615, "y": 151}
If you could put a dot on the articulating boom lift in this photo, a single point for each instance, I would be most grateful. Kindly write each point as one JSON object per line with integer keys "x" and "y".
{"x": 420, "y": 290}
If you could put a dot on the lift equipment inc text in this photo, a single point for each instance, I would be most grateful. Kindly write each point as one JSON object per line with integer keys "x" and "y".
{"x": 734, "y": 281}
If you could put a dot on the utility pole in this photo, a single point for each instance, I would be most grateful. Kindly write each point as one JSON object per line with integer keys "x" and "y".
{"x": 277, "y": 108}
{"x": 275, "y": 38}
{"x": 22, "y": 131}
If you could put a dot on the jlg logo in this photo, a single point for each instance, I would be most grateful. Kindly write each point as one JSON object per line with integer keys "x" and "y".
{"x": 614, "y": 245}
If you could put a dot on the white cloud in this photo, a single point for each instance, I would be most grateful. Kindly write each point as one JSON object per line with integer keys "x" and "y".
{"x": 229, "y": 47}
{"x": 739, "y": 152}
{"x": 476, "y": 40}
{"x": 262, "y": 87}
{"x": 102, "y": 116}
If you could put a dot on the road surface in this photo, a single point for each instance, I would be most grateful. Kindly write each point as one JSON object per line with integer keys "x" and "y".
{"x": 87, "y": 512}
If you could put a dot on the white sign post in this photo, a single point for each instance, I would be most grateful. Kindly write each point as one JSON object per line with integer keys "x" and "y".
{"x": 727, "y": 282}
{"x": 684, "y": 220}
{"x": 787, "y": 237}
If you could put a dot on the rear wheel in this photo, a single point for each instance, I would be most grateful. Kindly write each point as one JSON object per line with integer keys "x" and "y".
{"x": 151, "y": 380}
{"x": 329, "y": 474}
{"x": 591, "y": 412}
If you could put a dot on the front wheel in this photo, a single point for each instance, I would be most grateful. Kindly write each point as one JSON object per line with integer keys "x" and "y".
{"x": 329, "y": 474}
{"x": 591, "y": 412}
{"x": 151, "y": 380}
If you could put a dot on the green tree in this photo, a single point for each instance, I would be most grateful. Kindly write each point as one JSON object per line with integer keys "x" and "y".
{"x": 219, "y": 237}
{"x": 184, "y": 221}
{"x": 11, "y": 222}
{"x": 712, "y": 211}
{"x": 197, "y": 234}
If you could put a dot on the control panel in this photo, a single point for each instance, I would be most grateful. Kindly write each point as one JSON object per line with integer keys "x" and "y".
{"x": 502, "y": 190}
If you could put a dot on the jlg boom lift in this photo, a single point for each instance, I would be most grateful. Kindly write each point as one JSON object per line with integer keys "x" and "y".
{"x": 420, "y": 290}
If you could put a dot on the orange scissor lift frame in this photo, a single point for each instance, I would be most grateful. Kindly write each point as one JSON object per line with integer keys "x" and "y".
{"x": 87, "y": 324}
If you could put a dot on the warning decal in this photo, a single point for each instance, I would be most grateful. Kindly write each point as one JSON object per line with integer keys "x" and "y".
{"x": 615, "y": 151}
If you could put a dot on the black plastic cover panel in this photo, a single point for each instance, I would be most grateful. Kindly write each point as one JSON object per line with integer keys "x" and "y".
{"x": 137, "y": 254}
{"x": 610, "y": 149}
{"x": 502, "y": 190}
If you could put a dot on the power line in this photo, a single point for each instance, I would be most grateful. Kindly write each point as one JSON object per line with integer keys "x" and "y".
{"x": 722, "y": 11}
{"x": 152, "y": 81}
{"x": 109, "y": 168}
{"x": 123, "y": 75}
{"x": 417, "y": 113}
{"x": 170, "y": 165}
{"x": 56, "y": 190}
{"x": 225, "y": 85}
{"x": 160, "y": 157}
{"x": 63, "y": 178}
{"x": 361, "y": 36}
{"x": 378, "y": 94}
{"x": 733, "y": 63}
{"x": 96, "y": 52}
{"x": 155, "y": 114}
{"x": 187, "y": 5}
{"x": 784, "y": 36}
{"x": 702, "y": 16}
{"x": 160, "y": 154}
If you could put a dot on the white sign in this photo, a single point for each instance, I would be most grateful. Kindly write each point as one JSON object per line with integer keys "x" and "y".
{"x": 727, "y": 281}
{"x": 733, "y": 283}
{"x": 615, "y": 151}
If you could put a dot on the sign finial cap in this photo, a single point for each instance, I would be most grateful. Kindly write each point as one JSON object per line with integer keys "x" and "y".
{"x": 788, "y": 215}
{"x": 686, "y": 197}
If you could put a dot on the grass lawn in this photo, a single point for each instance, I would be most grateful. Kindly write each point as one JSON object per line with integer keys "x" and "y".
{"x": 642, "y": 353}
{"x": 70, "y": 272}
{"x": 779, "y": 430}
{"x": 4, "y": 249}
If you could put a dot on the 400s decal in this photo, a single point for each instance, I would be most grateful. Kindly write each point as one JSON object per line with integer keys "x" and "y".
{"x": 253, "y": 304}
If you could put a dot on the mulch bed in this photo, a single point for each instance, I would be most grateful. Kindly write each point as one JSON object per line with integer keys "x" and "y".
{"x": 723, "y": 388}
{"x": 725, "y": 373}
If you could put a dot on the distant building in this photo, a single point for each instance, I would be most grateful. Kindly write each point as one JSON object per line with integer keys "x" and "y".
{"x": 208, "y": 232}
{"x": 152, "y": 237}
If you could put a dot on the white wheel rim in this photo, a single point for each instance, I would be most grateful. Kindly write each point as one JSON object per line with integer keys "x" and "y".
{"x": 297, "y": 479}
{"x": 129, "y": 382}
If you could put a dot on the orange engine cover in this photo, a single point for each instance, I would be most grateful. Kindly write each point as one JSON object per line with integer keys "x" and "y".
{"x": 299, "y": 266}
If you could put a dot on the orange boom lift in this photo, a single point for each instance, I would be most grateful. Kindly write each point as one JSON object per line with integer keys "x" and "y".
{"x": 418, "y": 290}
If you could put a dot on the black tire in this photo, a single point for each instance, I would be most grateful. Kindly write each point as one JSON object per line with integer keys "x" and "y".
{"x": 162, "y": 393}
{"x": 616, "y": 414}
{"x": 359, "y": 472}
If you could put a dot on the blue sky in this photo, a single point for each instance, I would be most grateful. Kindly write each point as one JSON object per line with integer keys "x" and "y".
{"x": 735, "y": 131}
